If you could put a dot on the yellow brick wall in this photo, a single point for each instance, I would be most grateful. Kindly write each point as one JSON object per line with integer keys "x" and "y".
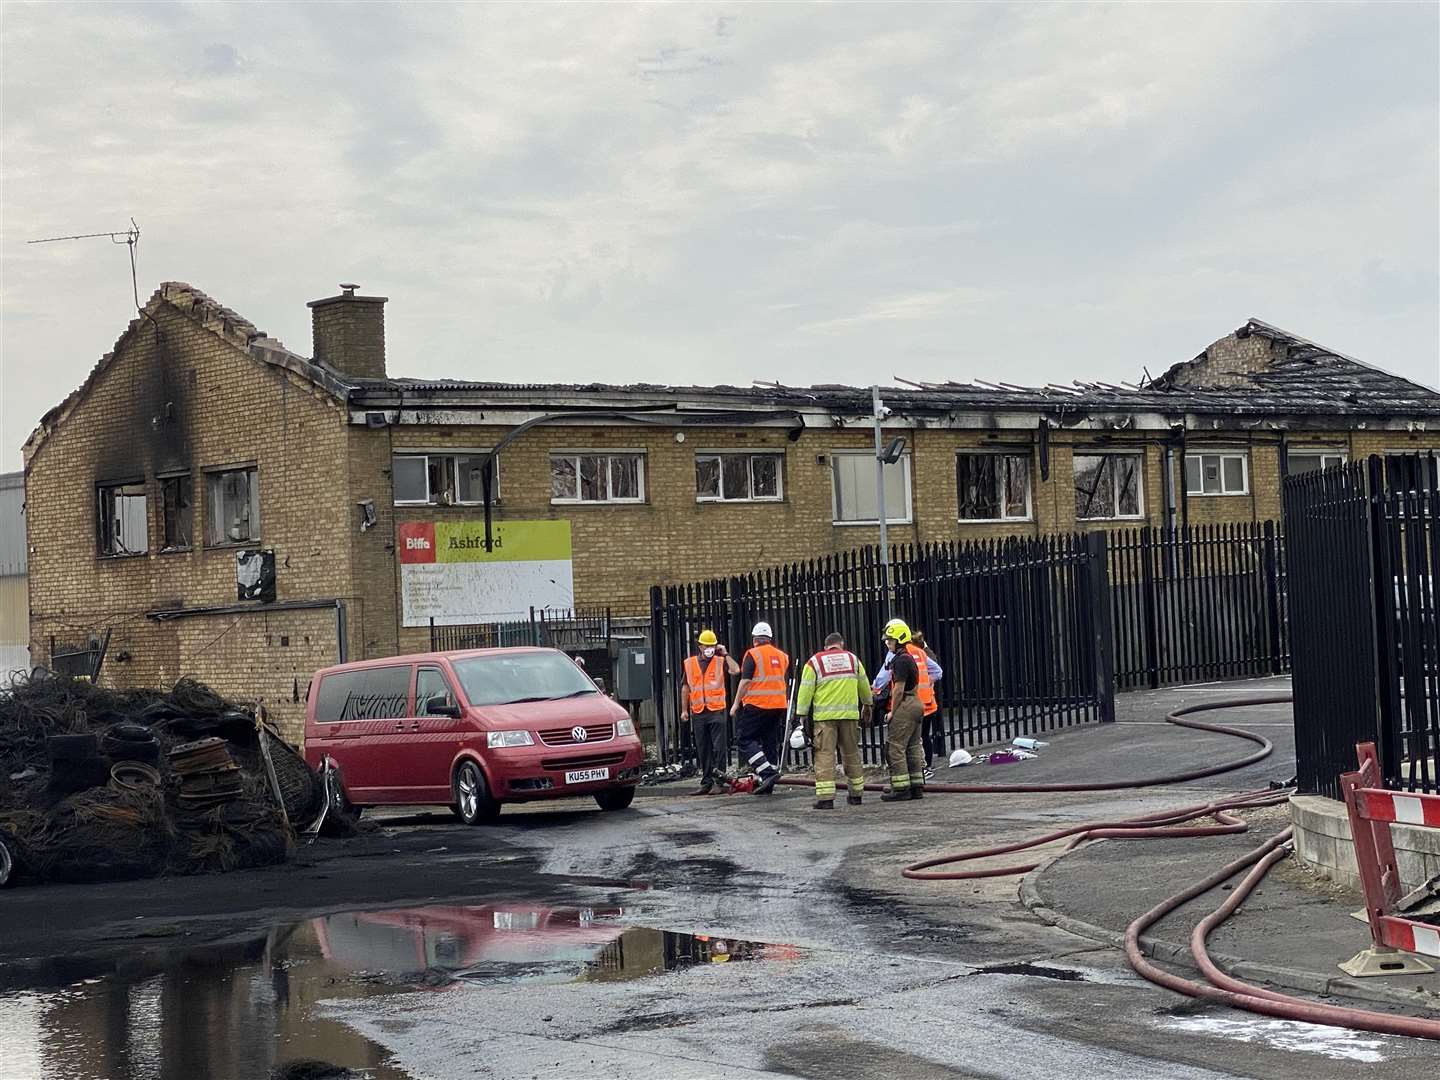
{"x": 224, "y": 409}
{"x": 315, "y": 469}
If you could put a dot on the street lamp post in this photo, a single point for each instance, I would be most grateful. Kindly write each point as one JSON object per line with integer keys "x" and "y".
{"x": 879, "y": 414}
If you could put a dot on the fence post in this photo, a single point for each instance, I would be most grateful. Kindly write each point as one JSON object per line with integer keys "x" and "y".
{"x": 1382, "y": 570}
{"x": 433, "y": 646}
{"x": 1272, "y": 597}
{"x": 1097, "y": 586}
{"x": 657, "y": 670}
{"x": 1147, "y": 601}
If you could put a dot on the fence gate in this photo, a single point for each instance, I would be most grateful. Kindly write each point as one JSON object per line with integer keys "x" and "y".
{"x": 1364, "y": 562}
{"x": 1021, "y": 627}
{"x": 1196, "y": 604}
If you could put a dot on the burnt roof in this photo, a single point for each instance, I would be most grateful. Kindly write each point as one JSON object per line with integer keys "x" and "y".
{"x": 1301, "y": 378}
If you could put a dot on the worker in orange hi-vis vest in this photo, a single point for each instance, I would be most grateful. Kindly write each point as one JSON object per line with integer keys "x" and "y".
{"x": 759, "y": 708}
{"x": 704, "y": 705}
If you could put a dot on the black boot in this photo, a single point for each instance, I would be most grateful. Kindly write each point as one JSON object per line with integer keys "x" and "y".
{"x": 917, "y": 791}
{"x": 891, "y": 795}
{"x": 767, "y": 783}
{"x": 824, "y": 804}
{"x": 706, "y": 786}
{"x": 853, "y": 800}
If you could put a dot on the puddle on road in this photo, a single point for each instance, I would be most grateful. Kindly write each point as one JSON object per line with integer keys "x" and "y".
{"x": 249, "y": 1008}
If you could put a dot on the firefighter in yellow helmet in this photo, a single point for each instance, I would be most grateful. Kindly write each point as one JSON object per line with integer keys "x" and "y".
{"x": 904, "y": 749}
{"x": 703, "y": 702}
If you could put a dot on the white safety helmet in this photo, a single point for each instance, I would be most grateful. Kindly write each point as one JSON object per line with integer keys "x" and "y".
{"x": 960, "y": 757}
{"x": 762, "y": 629}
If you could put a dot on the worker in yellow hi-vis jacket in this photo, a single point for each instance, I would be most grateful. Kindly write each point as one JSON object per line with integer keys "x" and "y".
{"x": 834, "y": 696}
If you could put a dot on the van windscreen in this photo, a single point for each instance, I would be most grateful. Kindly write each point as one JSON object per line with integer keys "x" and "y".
{"x": 508, "y": 678}
{"x": 381, "y": 693}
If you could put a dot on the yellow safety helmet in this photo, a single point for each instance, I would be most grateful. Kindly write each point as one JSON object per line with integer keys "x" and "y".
{"x": 707, "y": 637}
{"x": 898, "y": 630}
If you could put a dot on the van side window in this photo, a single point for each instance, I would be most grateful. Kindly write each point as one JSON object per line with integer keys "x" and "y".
{"x": 366, "y": 694}
{"x": 428, "y": 683}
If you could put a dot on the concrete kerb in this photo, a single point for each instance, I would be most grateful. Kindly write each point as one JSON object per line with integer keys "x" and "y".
{"x": 1284, "y": 978}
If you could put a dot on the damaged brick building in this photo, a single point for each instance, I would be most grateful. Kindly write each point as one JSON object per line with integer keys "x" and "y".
{"x": 218, "y": 505}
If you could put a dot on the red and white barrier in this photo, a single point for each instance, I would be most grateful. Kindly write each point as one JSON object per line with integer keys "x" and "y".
{"x": 1372, "y": 810}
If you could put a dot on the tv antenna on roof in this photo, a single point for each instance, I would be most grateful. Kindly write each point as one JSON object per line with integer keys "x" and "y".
{"x": 129, "y": 237}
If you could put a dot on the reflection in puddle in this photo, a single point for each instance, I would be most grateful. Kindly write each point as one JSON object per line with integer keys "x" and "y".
{"x": 244, "y": 1009}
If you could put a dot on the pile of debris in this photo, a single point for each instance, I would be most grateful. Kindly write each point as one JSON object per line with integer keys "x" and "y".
{"x": 99, "y": 784}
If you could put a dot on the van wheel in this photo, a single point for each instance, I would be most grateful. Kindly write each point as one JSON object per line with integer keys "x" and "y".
{"x": 473, "y": 803}
{"x": 615, "y": 798}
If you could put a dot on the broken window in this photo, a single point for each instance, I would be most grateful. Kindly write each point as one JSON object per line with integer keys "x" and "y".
{"x": 177, "y": 519}
{"x": 596, "y": 478}
{"x": 737, "y": 477}
{"x": 443, "y": 479}
{"x": 993, "y": 487}
{"x": 1216, "y": 474}
{"x": 121, "y": 519}
{"x": 232, "y": 507}
{"x": 1108, "y": 486}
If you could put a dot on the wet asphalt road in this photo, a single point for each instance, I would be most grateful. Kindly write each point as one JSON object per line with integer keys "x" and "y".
{"x": 890, "y": 977}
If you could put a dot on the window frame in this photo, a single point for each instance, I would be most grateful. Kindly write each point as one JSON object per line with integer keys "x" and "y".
{"x": 778, "y": 455}
{"x": 186, "y": 484}
{"x": 1003, "y": 452}
{"x": 1139, "y": 515}
{"x": 453, "y": 455}
{"x": 1321, "y": 452}
{"x": 908, "y": 469}
{"x": 608, "y": 455}
{"x": 211, "y": 473}
{"x": 1221, "y": 456}
{"x": 406, "y": 708}
{"x": 103, "y": 518}
{"x": 421, "y": 670}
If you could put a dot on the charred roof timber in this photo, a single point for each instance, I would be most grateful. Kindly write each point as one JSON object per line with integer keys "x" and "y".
{"x": 1285, "y": 376}
{"x": 1259, "y": 374}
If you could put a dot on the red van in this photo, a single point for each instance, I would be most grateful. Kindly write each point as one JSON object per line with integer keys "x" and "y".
{"x": 471, "y": 730}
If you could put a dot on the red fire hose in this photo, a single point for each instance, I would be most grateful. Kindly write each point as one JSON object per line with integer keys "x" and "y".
{"x": 1221, "y": 988}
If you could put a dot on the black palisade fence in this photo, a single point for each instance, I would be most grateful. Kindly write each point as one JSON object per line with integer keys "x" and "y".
{"x": 1021, "y": 627}
{"x": 1364, "y": 563}
{"x": 1196, "y": 604}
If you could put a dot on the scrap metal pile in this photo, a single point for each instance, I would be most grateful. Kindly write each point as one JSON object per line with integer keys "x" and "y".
{"x": 99, "y": 784}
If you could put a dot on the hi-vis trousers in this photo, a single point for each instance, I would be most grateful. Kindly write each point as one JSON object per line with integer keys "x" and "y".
{"x": 844, "y": 736}
{"x": 903, "y": 748}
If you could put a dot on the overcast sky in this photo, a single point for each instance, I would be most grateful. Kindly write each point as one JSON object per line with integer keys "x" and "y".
{"x": 723, "y": 193}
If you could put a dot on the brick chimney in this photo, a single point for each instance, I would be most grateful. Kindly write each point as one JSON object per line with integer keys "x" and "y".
{"x": 349, "y": 333}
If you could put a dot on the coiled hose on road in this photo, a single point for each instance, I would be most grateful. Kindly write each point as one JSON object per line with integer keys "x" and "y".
{"x": 1221, "y": 987}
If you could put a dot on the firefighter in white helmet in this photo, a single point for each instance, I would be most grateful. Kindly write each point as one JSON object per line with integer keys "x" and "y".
{"x": 759, "y": 707}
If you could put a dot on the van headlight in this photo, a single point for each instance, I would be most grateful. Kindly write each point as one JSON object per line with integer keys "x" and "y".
{"x": 625, "y": 727}
{"x": 496, "y": 739}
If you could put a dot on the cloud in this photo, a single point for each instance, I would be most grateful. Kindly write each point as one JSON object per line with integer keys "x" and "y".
{"x": 930, "y": 304}
{"x": 783, "y": 191}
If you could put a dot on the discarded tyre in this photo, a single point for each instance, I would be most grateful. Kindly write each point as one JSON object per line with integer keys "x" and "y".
{"x": 131, "y": 742}
{"x": 7, "y": 863}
